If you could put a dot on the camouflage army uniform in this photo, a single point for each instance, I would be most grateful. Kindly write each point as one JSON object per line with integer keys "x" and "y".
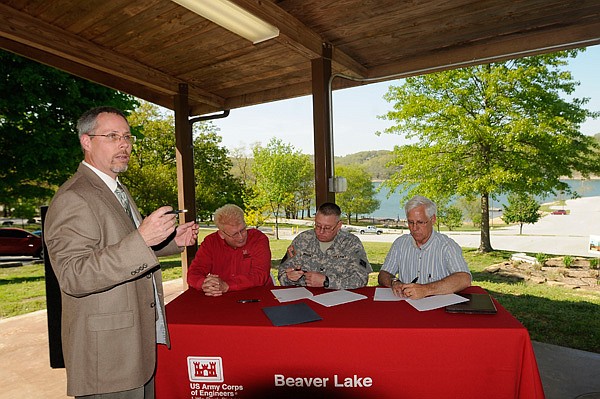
{"x": 345, "y": 261}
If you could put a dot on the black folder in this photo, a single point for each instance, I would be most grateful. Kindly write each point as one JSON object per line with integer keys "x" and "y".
{"x": 476, "y": 304}
{"x": 286, "y": 315}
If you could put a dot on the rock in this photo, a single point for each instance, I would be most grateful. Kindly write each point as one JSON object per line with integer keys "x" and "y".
{"x": 538, "y": 280}
{"x": 524, "y": 258}
{"x": 553, "y": 273}
{"x": 492, "y": 268}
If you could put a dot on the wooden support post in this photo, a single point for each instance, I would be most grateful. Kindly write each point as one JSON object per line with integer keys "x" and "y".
{"x": 321, "y": 73}
{"x": 185, "y": 170}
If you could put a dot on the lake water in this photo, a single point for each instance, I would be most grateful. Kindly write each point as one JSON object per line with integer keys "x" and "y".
{"x": 391, "y": 208}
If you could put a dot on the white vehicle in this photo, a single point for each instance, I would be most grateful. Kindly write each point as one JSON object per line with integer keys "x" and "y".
{"x": 370, "y": 230}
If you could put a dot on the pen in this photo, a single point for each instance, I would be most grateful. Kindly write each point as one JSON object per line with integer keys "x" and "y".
{"x": 176, "y": 211}
{"x": 412, "y": 282}
{"x": 248, "y": 300}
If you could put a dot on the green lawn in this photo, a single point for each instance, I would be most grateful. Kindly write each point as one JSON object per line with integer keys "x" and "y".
{"x": 552, "y": 315}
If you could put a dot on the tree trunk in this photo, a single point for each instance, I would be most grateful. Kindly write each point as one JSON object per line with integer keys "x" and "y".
{"x": 485, "y": 244}
{"x": 520, "y": 229}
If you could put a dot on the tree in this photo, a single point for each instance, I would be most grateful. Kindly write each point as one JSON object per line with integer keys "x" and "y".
{"x": 152, "y": 173}
{"x": 255, "y": 207}
{"x": 521, "y": 208}
{"x": 359, "y": 198}
{"x": 25, "y": 210}
{"x": 39, "y": 107}
{"x": 491, "y": 129}
{"x": 471, "y": 208}
{"x": 215, "y": 185}
{"x": 279, "y": 171}
{"x": 450, "y": 216}
{"x": 305, "y": 191}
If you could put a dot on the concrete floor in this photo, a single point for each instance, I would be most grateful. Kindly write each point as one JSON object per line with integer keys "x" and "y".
{"x": 25, "y": 372}
{"x": 568, "y": 373}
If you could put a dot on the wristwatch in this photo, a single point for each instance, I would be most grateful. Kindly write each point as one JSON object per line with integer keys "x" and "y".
{"x": 392, "y": 281}
{"x": 326, "y": 282}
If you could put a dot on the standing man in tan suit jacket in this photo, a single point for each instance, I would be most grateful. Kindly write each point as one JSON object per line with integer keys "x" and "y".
{"x": 105, "y": 258}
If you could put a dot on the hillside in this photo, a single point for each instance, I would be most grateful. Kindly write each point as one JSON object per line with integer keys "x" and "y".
{"x": 374, "y": 162}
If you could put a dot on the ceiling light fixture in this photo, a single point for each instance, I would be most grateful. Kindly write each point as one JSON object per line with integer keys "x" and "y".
{"x": 233, "y": 18}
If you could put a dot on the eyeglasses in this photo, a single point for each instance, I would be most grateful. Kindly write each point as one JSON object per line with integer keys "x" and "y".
{"x": 237, "y": 234}
{"x": 418, "y": 223}
{"x": 115, "y": 138}
{"x": 325, "y": 228}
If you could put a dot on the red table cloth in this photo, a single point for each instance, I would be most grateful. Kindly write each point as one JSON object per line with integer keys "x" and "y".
{"x": 365, "y": 349}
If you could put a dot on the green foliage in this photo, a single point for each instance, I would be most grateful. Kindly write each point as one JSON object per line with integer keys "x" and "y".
{"x": 594, "y": 263}
{"x": 152, "y": 173}
{"x": 567, "y": 260}
{"x": 359, "y": 198}
{"x": 375, "y": 163}
{"x": 305, "y": 190}
{"x": 541, "y": 258}
{"x": 39, "y": 107}
{"x": 215, "y": 185}
{"x": 491, "y": 129}
{"x": 283, "y": 177}
{"x": 450, "y": 216}
{"x": 521, "y": 208}
{"x": 25, "y": 209}
{"x": 471, "y": 208}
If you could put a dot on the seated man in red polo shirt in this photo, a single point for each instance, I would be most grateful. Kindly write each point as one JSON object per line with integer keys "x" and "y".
{"x": 233, "y": 258}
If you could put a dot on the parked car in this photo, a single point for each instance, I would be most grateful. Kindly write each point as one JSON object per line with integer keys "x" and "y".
{"x": 370, "y": 230}
{"x": 559, "y": 212}
{"x": 19, "y": 242}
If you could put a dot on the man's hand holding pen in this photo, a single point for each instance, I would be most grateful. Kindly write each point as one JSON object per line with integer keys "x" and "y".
{"x": 312, "y": 279}
{"x": 294, "y": 274}
{"x": 410, "y": 290}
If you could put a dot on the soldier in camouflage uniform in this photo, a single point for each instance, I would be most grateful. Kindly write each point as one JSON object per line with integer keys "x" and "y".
{"x": 326, "y": 256}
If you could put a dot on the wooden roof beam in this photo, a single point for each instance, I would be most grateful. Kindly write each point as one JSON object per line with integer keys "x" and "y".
{"x": 297, "y": 36}
{"x": 68, "y": 52}
{"x": 493, "y": 50}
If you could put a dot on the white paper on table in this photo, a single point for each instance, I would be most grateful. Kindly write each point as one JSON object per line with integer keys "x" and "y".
{"x": 339, "y": 297}
{"x": 436, "y": 301}
{"x": 291, "y": 294}
{"x": 386, "y": 294}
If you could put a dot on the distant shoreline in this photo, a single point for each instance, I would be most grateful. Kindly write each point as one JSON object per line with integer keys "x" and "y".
{"x": 562, "y": 178}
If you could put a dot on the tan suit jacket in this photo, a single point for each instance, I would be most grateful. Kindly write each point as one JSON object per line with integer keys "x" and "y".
{"x": 105, "y": 272}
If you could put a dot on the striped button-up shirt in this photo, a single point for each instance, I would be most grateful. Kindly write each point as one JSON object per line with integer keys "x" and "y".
{"x": 438, "y": 258}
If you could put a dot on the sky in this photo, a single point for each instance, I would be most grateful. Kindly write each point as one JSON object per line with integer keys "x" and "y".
{"x": 355, "y": 114}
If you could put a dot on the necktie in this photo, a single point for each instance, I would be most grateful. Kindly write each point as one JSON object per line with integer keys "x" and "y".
{"x": 124, "y": 201}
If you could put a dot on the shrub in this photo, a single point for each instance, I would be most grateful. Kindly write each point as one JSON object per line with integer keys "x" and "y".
{"x": 541, "y": 258}
{"x": 568, "y": 261}
{"x": 594, "y": 263}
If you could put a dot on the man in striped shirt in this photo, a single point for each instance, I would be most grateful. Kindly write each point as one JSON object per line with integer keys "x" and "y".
{"x": 425, "y": 262}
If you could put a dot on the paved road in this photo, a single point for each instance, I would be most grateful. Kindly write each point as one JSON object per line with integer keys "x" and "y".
{"x": 553, "y": 234}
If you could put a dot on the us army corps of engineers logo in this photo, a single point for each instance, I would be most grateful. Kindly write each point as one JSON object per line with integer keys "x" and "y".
{"x": 205, "y": 369}
{"x": 206, "y": 379}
